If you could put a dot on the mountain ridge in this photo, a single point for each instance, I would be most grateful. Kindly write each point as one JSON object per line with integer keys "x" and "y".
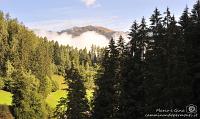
{"x": 77, "y": 31}
{"x": 82, "y": 37}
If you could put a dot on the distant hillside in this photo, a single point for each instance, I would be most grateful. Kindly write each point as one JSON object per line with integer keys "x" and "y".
{"x": 77, "y": 31}
{"x": 82, "y": 37}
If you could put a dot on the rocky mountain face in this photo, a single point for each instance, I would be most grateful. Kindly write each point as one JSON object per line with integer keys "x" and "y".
{"x": 108, "y": 33}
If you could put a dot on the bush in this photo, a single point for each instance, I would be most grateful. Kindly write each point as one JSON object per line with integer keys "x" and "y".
{"x": 1, "y": 83}
{"x": 45, "y": 86}
{"x": 8, "y": 84}
{"x": 55, "y": 85}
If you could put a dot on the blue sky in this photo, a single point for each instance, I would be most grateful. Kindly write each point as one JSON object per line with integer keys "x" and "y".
{"x": 61, "y": 14}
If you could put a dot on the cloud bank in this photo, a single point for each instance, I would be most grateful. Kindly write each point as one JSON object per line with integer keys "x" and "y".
{"x": 85, "y": 40}
{"x": 89, "y": 3}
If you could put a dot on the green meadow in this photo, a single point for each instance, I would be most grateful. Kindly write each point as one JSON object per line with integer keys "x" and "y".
{"x": 5, "y": 98}
{"x": 52, "y": 99}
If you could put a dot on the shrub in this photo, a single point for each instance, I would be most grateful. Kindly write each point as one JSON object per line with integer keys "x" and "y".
{"x": 1, "y": 83}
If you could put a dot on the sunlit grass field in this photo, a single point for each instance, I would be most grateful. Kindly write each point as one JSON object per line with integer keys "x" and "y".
{"x": 5, "y": 98}
{"x": 52, "y": 99}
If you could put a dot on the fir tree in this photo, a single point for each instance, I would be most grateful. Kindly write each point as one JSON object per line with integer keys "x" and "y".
{"x": 77, "y": 104}
{"x": 193, "y": 52}
{"x": 105, "y": 103}
{"x": 27, "y": 102}
{"x": 155, "y": 61}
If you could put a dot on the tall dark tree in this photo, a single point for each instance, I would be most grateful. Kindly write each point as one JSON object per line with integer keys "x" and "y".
{"x": 133, "y": 91}
{"x": 117, "y": 111}
{"x": 76, "y": 102}
{"x": 193, "y": 51}
{"x": 3, "y": 43}
{"x": 155, "y": 60}
{"x": 105, "y": 102}
{"x": 184, "y": 19}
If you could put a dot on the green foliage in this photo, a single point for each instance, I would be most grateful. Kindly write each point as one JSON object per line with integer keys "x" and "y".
{"x": 1, "y": 83}
{"x": 45, "y": 86}
{"x": 159, "y": 67}
{"x": 23, "y": 51}
{"x": 55, "y": 85}
{"x": 76, "y": 102}
{"x": 105, "y": 97}
{"x": 89, "y": 74}
{"x": 8, "y": 83}
{"x": 9, "y": 69}
{"x": 27, "y": 102}
{"x": 41, "y": 61}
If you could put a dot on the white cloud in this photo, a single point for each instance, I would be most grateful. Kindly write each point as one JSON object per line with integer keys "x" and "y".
{"x": 86, "y": 39}
{"x": 89, "y": 3}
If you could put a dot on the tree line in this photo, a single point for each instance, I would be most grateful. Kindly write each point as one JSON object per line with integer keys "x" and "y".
{"x": 28, "y": 62}
{"x": 158, "y": 68}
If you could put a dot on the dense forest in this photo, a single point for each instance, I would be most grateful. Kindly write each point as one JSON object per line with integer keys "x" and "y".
{"x": 159, "y": 67}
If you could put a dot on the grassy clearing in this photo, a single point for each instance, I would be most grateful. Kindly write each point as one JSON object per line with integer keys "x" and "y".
{"x": 54, "y": 97}
{"x": 5, "y": 97}
{"x": 60, "y": 80}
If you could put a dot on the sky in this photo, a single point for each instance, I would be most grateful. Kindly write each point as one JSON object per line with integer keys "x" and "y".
{"x": 56, "y": 15}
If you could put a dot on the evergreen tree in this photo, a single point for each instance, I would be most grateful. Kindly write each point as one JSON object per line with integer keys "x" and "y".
{"x": 3, "y": 43}
{"x": 105, "y": 101}
{"x": 176, "y": 79}
{"x": 27, "y": 102}
{"x": 155, "y": 60}
{"x": 119, "y": 78}
{"x": 133, "y": 91}
{"x": 184, "y": 19}
{"x": 193, "y": 52}
{"x": 76, "y": 102}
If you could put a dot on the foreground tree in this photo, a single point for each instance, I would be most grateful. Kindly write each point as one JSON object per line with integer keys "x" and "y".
{"x": 105, "y": 98}
{"x": 76, "y": 105}
{"x": 27, "y": 102}
{"x": 193, "y": 52}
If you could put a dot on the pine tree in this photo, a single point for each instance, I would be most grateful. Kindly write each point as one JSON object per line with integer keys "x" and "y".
{"x": 176, "y": 79}
{"x": 117, "y": 111}
{"x": 121, "y": 46}
{"x": 76, "y": 102}
{"x": 4, "y": 47}
{"x": 193, "y": 52}
{"x": 155, "y": 60}
{"x": 27, "y": 102}
{"x": 133, "y": 91}
{"x": 184, "y": 19}
{"x": 105, "y": 102}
